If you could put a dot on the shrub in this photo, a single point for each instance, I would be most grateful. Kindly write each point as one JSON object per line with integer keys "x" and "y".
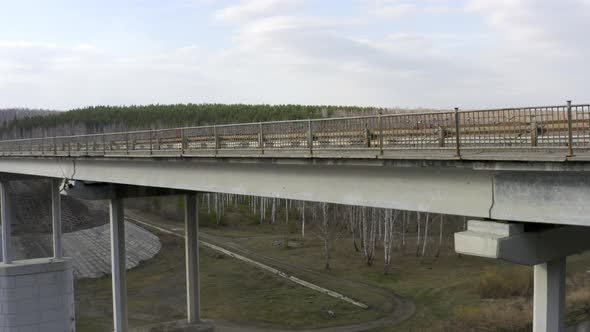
{"x": 496, "y": 284}
{"x": 503, "y": 316}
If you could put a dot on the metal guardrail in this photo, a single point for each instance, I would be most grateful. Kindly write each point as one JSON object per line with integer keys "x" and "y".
{"x": 562, "y": 127}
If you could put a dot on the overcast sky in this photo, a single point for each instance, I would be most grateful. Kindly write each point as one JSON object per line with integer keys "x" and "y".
{"x": 62, "y": 54}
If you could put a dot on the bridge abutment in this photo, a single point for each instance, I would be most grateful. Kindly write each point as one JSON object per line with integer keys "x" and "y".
{"x": 37, "y": 295}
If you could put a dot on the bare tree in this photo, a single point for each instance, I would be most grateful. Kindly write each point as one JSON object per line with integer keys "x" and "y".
{"x": 425, "y": 234}
{"x": 274, "y": 211}
{"x": 418, "y": 234}
{"x": 388, "y": 237}
{"x": 302, "y": 219}
{"x": 369, "y": 230}
{"x": 286, "y": 211}
{"x": 327, "y": 227}
{"x": 440, "y": 234}
{"x": 353, "y": 225}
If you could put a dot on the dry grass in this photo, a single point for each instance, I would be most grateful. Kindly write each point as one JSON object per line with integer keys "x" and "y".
{"x": 577, "y": 300}
{"x": 501, "y": 284}
{"x": 515, "y": 315}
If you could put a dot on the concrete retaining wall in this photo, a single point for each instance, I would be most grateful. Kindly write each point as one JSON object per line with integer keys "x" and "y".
{"x": 37, "y": 295}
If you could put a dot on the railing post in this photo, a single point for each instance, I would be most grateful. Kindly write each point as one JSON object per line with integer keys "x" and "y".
{"x": 380, "y": 134}
{"x": 104, "y": 145}
{"x": 367, "y": 137}
{"x": 215, "y": 139}
{"x": 127, "y": 143}
{"x": 570, "y": 139}
{"x": 441, "y": 136}
{"x": 457, "y": 133}
{"x": 151, "y": 143}
{"x": 181, "y": 140}
{"x": 86, "y": 144}
{"x": 261, "y": 138}
{"x": 534, "y": 131}
{"x": 309, "y": 136}
{"x": 54, "y": 146}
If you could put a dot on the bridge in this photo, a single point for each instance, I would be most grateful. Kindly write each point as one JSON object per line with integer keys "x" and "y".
{"x": 523, "y": 170}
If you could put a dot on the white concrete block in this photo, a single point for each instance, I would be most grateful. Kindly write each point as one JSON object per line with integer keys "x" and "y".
{"x": 51, "y": 315}
{"x": 26, "y": 280}
{"x": 21, "y": 293}
{"x": 53, "y": 326}
{"x": 30, "y": 328}
{"x": 23, "y": 305}
{"x": 495, "y": 228}
{"x": 7, "y": 282}
{"x": 50, "y": 303}
{"x": 46, "y": 279}
{"x": 477, "y": 244}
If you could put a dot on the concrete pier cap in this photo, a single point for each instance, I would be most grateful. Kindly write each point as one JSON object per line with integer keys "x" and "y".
{"x": 513, "y": 242}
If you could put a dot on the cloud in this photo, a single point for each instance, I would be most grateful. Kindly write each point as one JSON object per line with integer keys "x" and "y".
{"x": 514, "y": 54}
{"x": 396, "y": 10}
{"x": 557, "y": 28}
{"x": 249, "y": 9}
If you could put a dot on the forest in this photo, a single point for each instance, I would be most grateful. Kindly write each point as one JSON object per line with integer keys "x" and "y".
{"x": 97, "y": 119}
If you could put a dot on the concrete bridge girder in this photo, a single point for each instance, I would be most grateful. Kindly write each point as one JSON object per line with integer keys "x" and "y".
{"x": 527, "y": 192}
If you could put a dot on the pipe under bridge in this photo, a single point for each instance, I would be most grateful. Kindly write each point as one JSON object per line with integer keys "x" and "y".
{"x": 518, "y": 166}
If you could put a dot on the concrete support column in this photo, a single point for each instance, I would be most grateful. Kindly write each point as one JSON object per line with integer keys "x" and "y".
{"x": 549, "y": 296}
{"x": 192, "y": 259}
{"x": 56, "y": 221}
{"x": 118, "y": 265}
{"x": 5, "y": 217}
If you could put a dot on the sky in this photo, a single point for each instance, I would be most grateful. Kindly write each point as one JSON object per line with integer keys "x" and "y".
{"x": 64, "y": 54}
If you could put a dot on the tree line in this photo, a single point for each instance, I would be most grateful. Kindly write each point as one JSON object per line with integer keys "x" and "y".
{"x": 97, "y": 119}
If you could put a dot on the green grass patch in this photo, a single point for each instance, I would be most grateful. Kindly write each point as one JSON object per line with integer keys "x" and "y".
{"x": 231, "y": 290}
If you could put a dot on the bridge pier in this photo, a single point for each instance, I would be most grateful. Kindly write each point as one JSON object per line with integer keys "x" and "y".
{"x": 549, "y": 296}
{"x": 511, "y": 242}
{"x": 119, "y": 280}
{"x": 116, "y": 194}
{"x": 6, "y": 221}
{"x": 191, "y": 229}
{"x": 56, "y": 218}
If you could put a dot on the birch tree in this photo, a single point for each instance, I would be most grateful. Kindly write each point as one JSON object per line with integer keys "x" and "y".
{"x": 440, "y": 234}
{"x": 388, "y": 237}
{"x": 418, "y": 234}
{"x": 302, "y": 219}
{"x": 425, "y": 234}
{"x": 369, "y": 230}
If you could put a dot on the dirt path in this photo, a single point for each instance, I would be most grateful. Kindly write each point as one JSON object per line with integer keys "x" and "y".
{"x": 404, "y": 308}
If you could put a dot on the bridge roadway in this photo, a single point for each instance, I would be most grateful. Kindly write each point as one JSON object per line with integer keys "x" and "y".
{"x": 516, "y": 165}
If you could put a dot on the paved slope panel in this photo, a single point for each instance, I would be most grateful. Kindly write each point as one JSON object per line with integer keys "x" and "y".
{"x": 90, "y": 249}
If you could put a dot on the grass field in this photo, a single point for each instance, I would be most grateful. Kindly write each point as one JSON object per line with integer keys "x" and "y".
{"x": 232, "y": 290}
{"x": 441, "y": 288}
